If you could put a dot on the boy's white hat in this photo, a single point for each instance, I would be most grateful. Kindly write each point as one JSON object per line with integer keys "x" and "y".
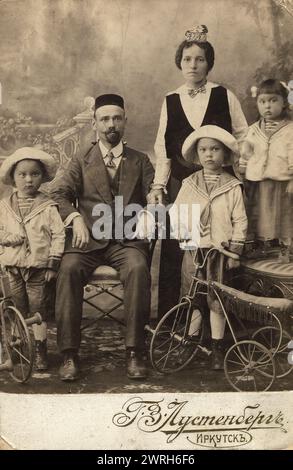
{"x": 30, "y": 153}
{"x": 212, "y": 132}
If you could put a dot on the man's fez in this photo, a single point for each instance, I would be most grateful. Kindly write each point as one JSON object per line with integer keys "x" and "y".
{"x": 109, "y": 99}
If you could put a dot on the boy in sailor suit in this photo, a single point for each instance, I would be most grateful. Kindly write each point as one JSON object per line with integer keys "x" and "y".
{"x": 223, "y": 219}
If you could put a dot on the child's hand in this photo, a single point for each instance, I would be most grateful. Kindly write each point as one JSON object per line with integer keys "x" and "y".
{"x": 188, "y": 245}
{"x": 246, "y": 149}
{"x": 16, "y": 240}
{"x": 12, "y": 239}
{"x": 50, "y": 274}
{"x": 289, "y": 189}
{"x": 232, "y": 263}
{"x": 242, "y": 170}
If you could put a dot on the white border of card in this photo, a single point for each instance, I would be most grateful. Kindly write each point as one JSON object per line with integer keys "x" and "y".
{"x": 148, "y": 421}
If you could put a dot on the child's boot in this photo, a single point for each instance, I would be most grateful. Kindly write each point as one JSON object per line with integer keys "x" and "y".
{"x": 284, "y": 254}
{"x": 217, "y": 354}
{"x": 41, "y": 357}
{"x": 249, "y": 248}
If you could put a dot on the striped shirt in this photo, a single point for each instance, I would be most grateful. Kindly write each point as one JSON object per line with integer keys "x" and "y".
{"x": 270, "y": 126}
{"x": 24, "y": 205}
{"x": 210, "y": 180}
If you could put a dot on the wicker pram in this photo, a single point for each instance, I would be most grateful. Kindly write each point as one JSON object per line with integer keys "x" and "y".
{"x": 260, "y": 310}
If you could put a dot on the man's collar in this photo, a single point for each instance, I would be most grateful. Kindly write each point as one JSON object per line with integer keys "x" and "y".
{"x": 117, "y": 150}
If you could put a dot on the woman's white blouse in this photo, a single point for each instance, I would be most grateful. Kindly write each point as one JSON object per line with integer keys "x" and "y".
{"x": 194, "y": 109}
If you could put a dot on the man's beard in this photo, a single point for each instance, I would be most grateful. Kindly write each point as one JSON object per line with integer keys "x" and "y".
{"x": 113, "y": 137}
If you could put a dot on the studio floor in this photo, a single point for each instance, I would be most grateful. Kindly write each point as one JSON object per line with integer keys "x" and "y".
{"x": 102, "y": 358}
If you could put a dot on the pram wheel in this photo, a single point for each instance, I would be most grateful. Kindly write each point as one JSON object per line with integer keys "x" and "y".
{"x": 175, "y": 342}
{"x": 17, "y": 344}
{"x": 269, "y": 336}
{"x": 249, "y": 367}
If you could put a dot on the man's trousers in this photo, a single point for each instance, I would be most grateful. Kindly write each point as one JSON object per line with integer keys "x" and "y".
{"x": 75, "y": 271}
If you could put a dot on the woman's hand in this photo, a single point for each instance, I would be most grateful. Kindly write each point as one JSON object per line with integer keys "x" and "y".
{"x": 50, "y": 274}
{"x": 81, "y": 236}
{"x": 155, "y": 196}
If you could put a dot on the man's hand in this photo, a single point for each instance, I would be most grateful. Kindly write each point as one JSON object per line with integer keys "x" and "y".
{"x": 50, "y": 274}
{"x": 146, "y": 225}
{"x": 155, "y": 196}
{"x": 12, "y": 239}
{"x": 81, "y": 236}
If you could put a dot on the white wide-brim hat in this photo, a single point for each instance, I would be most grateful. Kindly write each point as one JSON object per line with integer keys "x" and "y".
{"x": 212, "y": 132}
{"x": 27, "y": 153}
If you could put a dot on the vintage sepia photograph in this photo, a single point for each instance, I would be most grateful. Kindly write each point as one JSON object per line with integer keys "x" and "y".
{"x": 146, "y": 224}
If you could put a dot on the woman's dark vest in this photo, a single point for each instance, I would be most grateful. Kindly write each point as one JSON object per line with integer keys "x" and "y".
{"x": 178, "y": 128}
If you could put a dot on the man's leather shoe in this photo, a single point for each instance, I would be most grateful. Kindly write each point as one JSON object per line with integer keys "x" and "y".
{"x": 135, "y": 365}
{"x": 69, "y": 370}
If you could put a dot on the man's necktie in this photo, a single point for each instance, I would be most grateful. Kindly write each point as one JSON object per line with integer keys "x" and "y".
{"x": 110, "y": 163}
{"x": 192, "y": 93}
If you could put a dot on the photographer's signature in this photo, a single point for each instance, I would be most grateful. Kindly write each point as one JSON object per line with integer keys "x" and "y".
{"x": 205, "y": 430}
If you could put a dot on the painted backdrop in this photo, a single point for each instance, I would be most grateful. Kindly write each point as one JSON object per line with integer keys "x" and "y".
{"x": 56, "y": 52}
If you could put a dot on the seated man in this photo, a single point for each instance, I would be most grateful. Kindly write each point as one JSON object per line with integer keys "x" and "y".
{"x": 109, "y": 169}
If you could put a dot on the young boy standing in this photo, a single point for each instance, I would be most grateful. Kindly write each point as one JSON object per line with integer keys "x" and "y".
{"x": 223, "y": 218}
{"x": 32, "y": 236}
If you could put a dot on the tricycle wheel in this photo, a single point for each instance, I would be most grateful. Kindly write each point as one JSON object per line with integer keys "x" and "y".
{"x": 17, "y": 344}
{"x": 175, "y": 341}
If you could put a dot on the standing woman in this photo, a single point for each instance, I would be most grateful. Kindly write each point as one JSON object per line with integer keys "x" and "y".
{"x": 196, "y": 103}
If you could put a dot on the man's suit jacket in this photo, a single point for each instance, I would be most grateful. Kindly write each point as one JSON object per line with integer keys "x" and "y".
{"x": 85, "y": 183}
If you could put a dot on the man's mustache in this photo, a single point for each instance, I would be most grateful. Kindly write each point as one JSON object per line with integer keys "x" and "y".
{"x": 111, "y": 131}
